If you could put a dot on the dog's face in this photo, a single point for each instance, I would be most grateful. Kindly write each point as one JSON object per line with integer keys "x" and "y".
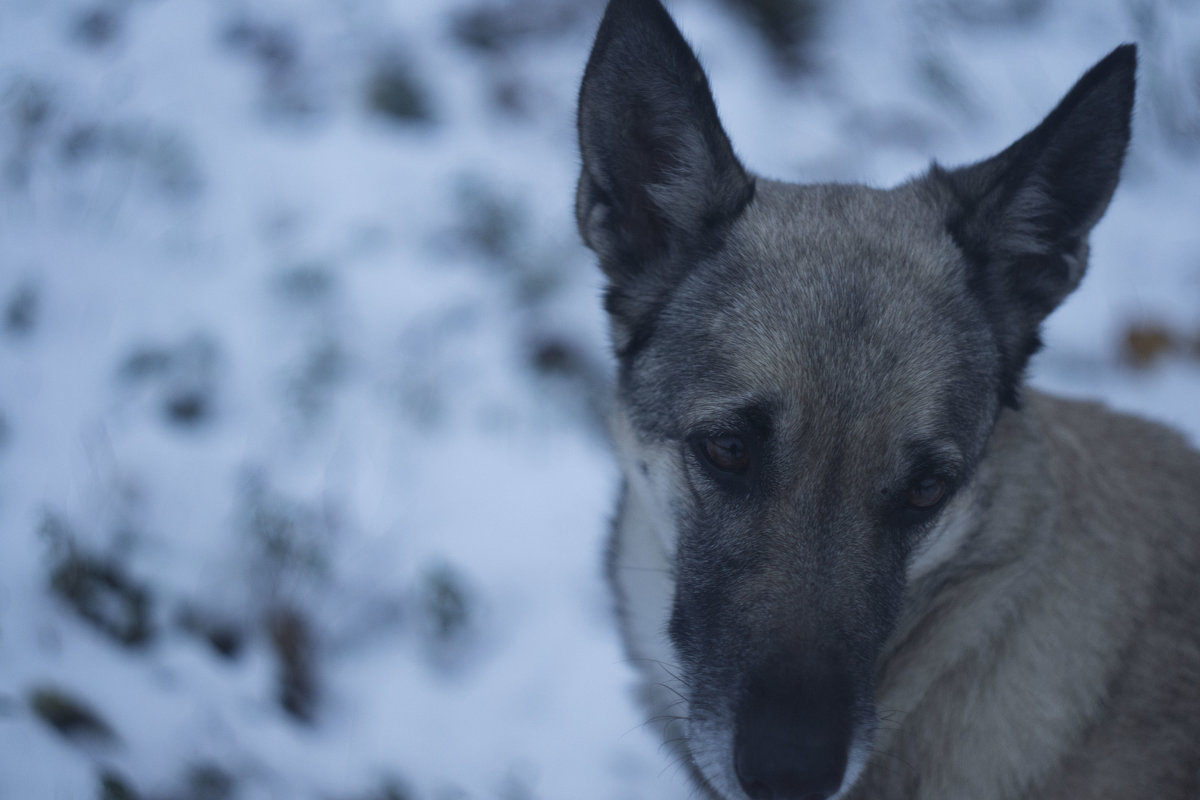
{"x": 808, "y": 376}
{"x": 810, "y": 398}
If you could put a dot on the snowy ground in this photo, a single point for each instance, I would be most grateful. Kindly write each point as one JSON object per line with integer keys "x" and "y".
{"x": 302, "y": 477}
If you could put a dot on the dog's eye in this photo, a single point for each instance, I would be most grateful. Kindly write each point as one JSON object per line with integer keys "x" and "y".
{"x": 926, "y": 493}
{"x": 726, "y": 453}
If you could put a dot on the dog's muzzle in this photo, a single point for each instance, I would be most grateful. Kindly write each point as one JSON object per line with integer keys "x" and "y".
{"x": 793, "y": 736}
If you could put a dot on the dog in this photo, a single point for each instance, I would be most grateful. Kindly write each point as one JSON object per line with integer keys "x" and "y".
{"x": 853, "y": 555}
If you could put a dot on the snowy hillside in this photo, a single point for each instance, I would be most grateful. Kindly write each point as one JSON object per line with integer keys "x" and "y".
{"x": 303, "y": 472}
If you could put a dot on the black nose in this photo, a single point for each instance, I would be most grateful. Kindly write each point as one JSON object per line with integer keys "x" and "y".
{"x": 793, "y": 736}
{"x": 771, "y": 765}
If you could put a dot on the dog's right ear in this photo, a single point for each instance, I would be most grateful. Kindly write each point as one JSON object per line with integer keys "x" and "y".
{"x": 660, "y": 182}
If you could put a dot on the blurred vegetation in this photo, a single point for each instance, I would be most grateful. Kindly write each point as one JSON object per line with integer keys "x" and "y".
{"x": 224, "y": 635}
{"x": 495, "y": 28}
{"x": 309, "y": 294}
{"x": 1147, "y": 342}
{"x": 69, "y": 716}
{"x": 99, "y": 26}
{"x": 394, "y": 92}
{"x": 1169, "y": 79}
{"x": 182, "y": 376}
{"x": 22, "y": 308}
{"x": 47, "y": 140}
{"x": 313, "y": 384}
{"x": 995, "y": 12}
{"x": 448, "y": 617}
{"x": 289, "y": 541}
{"x": 294, "y": 644}
{"x": 307, "y": 284}
{"x": 788, "y": 27}
{"x": 97, "y": 588}
{"x": 290, "y": 562}
{"x": 206, "y": 782}
{"x": 273, "y": 48}
{"x": 115, "y": 786}
{"x": 390, "y": 788}
{"x": 495, "y": 225}
{"x": 201, "y": 781}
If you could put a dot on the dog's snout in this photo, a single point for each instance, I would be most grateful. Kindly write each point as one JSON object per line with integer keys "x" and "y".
{"x": 793, "y": 744}
{"x": 772, "y": 766}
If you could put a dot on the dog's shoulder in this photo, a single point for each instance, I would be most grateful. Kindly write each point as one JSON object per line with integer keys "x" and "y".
{"x": 1130, "y": 530}
{"x": 1121, "y": 455}
{"x": 1130, "y": 495}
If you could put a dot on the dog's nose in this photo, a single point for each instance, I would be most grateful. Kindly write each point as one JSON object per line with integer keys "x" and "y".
{"x": 770, "y": 765}
{"x": 793, "y": 732}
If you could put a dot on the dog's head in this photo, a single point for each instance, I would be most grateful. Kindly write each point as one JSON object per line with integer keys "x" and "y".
{"x": 808, "y": 376}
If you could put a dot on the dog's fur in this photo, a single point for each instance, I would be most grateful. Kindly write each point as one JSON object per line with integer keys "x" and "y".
{"x": 853, "y": 557}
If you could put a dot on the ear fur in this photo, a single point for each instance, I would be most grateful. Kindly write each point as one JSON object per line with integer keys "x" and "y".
{"x": 1023, "y": 216}
{"x": 660, "y": 182}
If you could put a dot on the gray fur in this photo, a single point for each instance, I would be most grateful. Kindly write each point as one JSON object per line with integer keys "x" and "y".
{"x": 804, "y": 626}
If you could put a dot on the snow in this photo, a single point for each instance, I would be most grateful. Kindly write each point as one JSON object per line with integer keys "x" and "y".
{"x": 278, "y": 353}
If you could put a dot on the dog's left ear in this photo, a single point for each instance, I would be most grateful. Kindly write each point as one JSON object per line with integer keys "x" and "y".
{"x": 1023, "y": 216}
{"x": 660, "y": 182}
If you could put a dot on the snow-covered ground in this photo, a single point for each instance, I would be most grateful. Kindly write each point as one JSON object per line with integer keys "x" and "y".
{"x": 303, "y": 480}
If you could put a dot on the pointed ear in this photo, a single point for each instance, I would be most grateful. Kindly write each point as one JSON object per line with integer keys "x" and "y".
{"x": 1023, "y": 217}
{"x": 660, "y": 182}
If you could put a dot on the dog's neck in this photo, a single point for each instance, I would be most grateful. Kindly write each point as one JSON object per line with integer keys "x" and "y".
{"x": 942, "y": 662}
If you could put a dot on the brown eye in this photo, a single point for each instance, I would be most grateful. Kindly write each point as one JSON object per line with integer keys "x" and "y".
{"x": 927, "y": 493}
{"x": 727, "y": 453}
